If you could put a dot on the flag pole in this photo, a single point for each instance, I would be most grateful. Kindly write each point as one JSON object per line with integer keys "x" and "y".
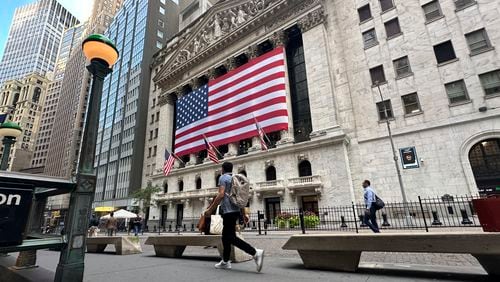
{"x": 257, "y": 125}
{"x": 208, "y": 142}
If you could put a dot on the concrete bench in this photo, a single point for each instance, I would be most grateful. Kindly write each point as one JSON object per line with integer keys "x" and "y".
{"x": 342, "y": 252}
{"x": 126, "y": 245}
{"x": 174, "y": 246}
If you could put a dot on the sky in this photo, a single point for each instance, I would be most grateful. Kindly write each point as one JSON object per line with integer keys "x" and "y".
{"x": 79, "y": 8}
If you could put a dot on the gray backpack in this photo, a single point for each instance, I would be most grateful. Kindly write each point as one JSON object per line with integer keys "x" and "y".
{"x": 240, "y": 190}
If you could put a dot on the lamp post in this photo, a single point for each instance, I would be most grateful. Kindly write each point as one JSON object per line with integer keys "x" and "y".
{"x": 395, "y": 157}
{"x": 102, "y": 54}
{"x": 10, "y": 131}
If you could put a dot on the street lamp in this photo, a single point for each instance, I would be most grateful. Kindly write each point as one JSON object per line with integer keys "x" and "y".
{"x": 102, "y": 54}
{"x": 10, "y": 131}
{"x": 395, "y": 158}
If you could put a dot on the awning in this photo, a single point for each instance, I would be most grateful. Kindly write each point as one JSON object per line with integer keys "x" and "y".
{"x": 104, "y": 209}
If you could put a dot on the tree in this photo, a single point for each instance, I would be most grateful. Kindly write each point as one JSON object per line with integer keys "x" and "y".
{"x": 144, "y": 196}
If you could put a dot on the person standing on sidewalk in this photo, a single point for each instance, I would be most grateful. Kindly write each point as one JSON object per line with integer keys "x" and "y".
{"x": 370, "y": 217}
{"x": 111, "y": 224}
{"x": 230, "y": 216}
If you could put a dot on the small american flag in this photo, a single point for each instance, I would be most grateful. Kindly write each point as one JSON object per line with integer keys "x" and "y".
{"x": 262, "y": 135}
{"x": 211, "y": 151}
{"x": 169, "y": 162}
{"x": 224, "y": 110}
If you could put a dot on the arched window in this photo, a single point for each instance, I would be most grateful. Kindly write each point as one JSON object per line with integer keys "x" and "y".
{"x": 305, "y": 169}
{"x": 198, "y": 183}
{"x": 271, "y": 173}
{"x": 217, "y": 180}
{"x": 484, "y": 158}
{"x": 165, "y": 187}
{"x": 181, "y": 185}
{"x": 36, "y": 95}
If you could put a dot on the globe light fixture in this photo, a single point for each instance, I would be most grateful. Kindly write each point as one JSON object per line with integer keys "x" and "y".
{"x": 10, "y": 131}
{"x": 99, "y": 47}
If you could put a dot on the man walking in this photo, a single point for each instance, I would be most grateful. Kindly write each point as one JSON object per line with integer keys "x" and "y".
{"x": 230, "y": 216}
{"x": 370, "y": 217}
{"x": 111, "y": 224}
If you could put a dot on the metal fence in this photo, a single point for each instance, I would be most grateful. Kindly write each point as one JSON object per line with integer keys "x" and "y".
{"x": 424, "y": 214}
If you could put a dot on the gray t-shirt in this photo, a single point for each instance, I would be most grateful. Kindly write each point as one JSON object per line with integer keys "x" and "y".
{"x": 226, "y": 205}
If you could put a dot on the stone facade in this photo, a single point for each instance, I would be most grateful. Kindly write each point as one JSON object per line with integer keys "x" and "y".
{"x": 348, "y": 142}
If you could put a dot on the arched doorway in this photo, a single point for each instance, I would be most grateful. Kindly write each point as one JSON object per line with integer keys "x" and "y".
{"x": 484, "y": 158}
{"x": 305, "y": 169}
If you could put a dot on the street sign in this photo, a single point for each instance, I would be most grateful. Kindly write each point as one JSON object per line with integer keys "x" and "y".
{"x": 15, "y": 204}
{"x": 409, "y": 157}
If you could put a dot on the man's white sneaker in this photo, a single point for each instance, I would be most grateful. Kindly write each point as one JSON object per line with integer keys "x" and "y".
{"x": 223, "y": 265}
{"x": 259, "y": 259}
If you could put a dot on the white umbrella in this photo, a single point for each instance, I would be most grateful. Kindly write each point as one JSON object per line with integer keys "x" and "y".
{"x": 121, "y": 214}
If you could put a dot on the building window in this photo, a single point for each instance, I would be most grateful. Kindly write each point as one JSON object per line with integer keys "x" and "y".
{"x": 444, "y": 52}
{"x": 155, "y": 150}
{"x": 432, "y": 11}
{"x": 150, "y": 135}
{"x": 271, "y": 173}
{"x": 478, "y": 41}
{"x": 159, "y": 33}
{"x": 462, "y": 4}
{"x": 165, "y": 187}
{"x": 159, "y": 45}
{"x": 162, "y": 10}
{"x": 386, "y": 5}
{"x": 198, "y": 183}
{"x": 457, "y": 92}
{"x": 402, "y": 67}
{"x": 156, "y": 133}
{"x": 305, "y": 169}
{"x": 411, "y": 104}
{"x": 364, "y": 13}
{"x": 181, "y": 185}
{"x": 491, "y": 82}
{"x": 149, "y": 152}
{"x": 370, "y": 38}
{"x": 392, "y": 28}
{"x": 377, "y": 75}
{"x": 384, "y": 109}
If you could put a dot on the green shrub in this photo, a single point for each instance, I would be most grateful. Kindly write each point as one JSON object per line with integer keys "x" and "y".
{"x": 311, "y": 221}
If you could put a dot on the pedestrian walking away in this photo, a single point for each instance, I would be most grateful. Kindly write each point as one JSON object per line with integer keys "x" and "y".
{"x": 137, "y": 225}
{"x": 370, "y": 216}
{"x": 231, "y": 211}
{"x": 111, "y": 224}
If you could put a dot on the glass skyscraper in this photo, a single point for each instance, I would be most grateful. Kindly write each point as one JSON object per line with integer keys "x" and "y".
{"x": 136, "y": 31}
{"x": 34, "y": 39}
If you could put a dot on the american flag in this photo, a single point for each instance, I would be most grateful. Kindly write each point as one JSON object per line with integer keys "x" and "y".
{"x": 224, "y": 109}
{"x": 211, "y": 151}
{"x": 169, "y": 162}
{"x": 262, "y": 135}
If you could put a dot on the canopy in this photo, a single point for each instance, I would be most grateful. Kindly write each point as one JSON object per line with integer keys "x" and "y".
{"x": 121, "y": 214}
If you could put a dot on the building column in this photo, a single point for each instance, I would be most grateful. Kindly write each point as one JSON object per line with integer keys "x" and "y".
{"x": 280, "y": 39}
{"x": 319, "y": 79}
{"x": 230, "y": 64}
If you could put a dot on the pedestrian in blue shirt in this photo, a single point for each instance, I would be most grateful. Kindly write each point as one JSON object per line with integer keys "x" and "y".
{"x": 370, "y": 217}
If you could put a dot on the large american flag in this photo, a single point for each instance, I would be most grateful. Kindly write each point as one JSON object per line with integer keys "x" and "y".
{"x": 224, "y": 110}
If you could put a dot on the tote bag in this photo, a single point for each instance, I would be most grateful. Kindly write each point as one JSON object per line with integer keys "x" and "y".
{"x": 216, "y": 223}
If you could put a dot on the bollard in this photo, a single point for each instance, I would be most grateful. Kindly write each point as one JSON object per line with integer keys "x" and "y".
{"x": 253, "y": 225}
{"x": 177, "y": 229}
{"x": 435, "y": 219}
{"x": 184, "y": 227}
{"x": 170, "y": 228}
{"x": 265, "y": 227}
{"x": 385, "y": 221}
{"x": 343, "y": 225}
{"x": 465, "y": 217}
{"x": 192, "y": 227}
{"x": 302, "y": 223}
{"x": 362, "y": 221}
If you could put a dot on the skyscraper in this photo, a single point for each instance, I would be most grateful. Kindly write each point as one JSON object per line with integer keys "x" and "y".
{"x": 139, "y": 29}
{"x": 65, "y": 131}
{"x": 70, "y": 44}
{"x": 34, "y": 39}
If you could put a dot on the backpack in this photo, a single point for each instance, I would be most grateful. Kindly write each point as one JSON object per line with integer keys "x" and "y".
{"x": 240, "y": 190}
{"x": 379, "y": 204}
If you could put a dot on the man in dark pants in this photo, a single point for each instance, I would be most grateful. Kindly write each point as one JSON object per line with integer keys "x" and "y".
{"x": 230, "y": 216}
{"x": 370, "y": 217}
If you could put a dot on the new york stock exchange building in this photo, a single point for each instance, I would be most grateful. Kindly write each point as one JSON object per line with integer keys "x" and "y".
{"x": 347, "y": 67}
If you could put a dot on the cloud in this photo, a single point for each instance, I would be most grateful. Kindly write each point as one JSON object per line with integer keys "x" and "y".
{"x": 81, "y": 9}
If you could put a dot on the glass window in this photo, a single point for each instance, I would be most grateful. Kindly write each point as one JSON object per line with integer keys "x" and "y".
{"x": 377, "y": 75}
{"x": 392, "y": 28}
{"x": 456, "y": 91}
{"x": 478, "y": 41}
{"x": 159, "y": 45}
{"x": 461, "y": 4}
{"x": 402, "y": 67}
{"x": 160, "y": 34}
{"x": 411, "y": 104}
{"x": 370, "y": 38}
{"x": 162, "y": 10}
{"x": 364, "y": 13}
{"x": 386, "y": 5}
{"x": 432, "y": 10}
{"x": 491, "y": 82}
{"x": 444, "y": 52}
{"x": 384, "y": 109}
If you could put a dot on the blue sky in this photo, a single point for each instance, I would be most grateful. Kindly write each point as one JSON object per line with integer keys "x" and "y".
{"x": 79, "y": 8}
